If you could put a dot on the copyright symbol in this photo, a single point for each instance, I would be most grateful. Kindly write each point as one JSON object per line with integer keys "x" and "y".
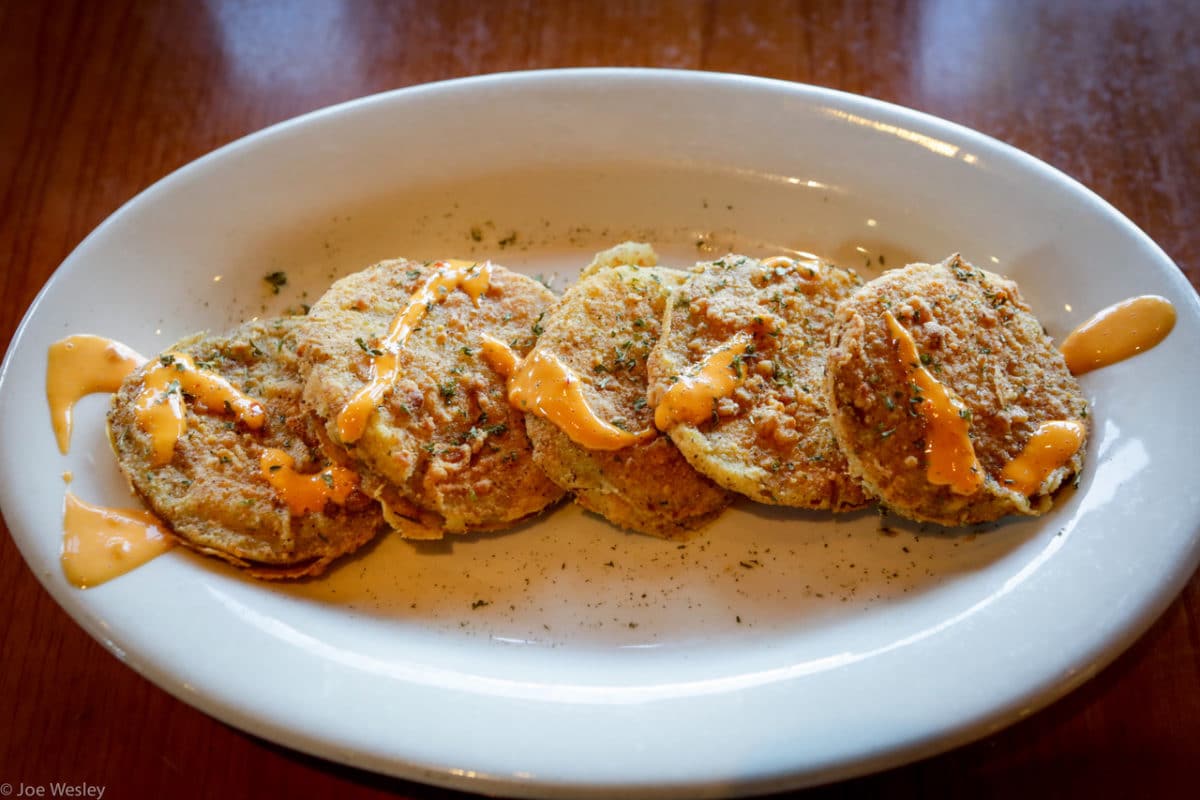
{"x": 5, "y": 789}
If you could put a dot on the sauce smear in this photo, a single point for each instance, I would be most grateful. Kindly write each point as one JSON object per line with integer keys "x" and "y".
{"x": 1118, "y": 332}
{"x": 160, "y": 409}
{"x": 544, "y": 385}
{"x": 100, "y": 543}
{"x": 305, "y": 494}
{"x": 690, "y": 399}
{"x": 499, "y": 356}
{"x": 1050, "y": 447}
{"x": 948, "y": 449}
{"x": 82, "y": 365}
{"x": 471, "y": 278}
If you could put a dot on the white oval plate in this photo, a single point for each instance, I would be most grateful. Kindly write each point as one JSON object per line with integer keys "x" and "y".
{"x": 567, "y": 658}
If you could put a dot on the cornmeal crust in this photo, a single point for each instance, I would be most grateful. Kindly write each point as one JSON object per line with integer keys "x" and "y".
{"x": 771, "y": 439}
{"x": 212, "y": 493}
{"x": 979, "y": 339}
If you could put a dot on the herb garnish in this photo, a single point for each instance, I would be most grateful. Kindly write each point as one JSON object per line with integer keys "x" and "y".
{"x": 276, "y": 280}
{"x": 371, "y": 351}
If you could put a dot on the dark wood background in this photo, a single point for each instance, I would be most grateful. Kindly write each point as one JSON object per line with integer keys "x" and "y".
{"x": 99, "y": 99}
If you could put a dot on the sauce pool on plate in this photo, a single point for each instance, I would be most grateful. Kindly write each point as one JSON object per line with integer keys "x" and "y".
{"x": 100, "y": 543}
{"x": 81, "y": 365}
{"x": 1118, "y": 332}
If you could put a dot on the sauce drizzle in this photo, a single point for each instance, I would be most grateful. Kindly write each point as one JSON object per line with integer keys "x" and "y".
{"x": 948, "y": 448}
{"x": 499, "y": 356}
{"x": 100, "y": 543}
{"x": 1050, "y": 447}
{"x": 160, "y": 408}
{"x": 1118, "y": 332}
{"x": 542, "y": 384}
{"x": 302, "y": 493}
{"x": 690, "y": 399}
{"x": 471, "y": 278}
{"x": 81, "y": 365}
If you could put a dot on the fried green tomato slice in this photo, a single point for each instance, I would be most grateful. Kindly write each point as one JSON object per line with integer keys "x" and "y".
{"x": 759, "y": 328}
{"x": 949, "y": 399}
{"x": 440, "y": 446}
{"x": 210, "y": 484}
{"x": 603, "y": 330}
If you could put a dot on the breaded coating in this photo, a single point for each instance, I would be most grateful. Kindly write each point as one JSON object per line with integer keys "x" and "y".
{"x": 442, "y": 449}
{"x": 632, "y": 254}
{"x": 603, "y": 330}
{"x": 213, "y": 493}
{"x": 977, "y": 338}
{"x": 770, "y": 438}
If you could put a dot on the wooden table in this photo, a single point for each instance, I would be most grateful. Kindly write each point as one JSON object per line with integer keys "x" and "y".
{"x": 100, "y": 99}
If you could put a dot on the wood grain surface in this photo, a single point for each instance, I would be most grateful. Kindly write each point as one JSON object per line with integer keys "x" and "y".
{"x": 101, "y": 98}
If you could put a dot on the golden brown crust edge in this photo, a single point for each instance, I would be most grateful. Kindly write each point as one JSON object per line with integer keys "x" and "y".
{"x": 987, "y": 346}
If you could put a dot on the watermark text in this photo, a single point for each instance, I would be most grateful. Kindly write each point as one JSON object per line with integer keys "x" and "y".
{"x": 92, "y": 791}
